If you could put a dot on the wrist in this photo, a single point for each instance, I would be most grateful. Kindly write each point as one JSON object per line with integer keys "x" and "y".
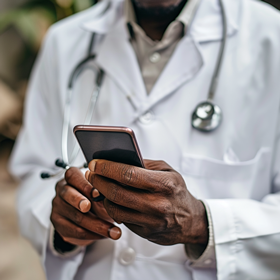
{"x": 203, "y": 225}
{"x": 199, "y": 232}
{"x": 199, "y": 255}
{"x": 57, "y": 250}
{"x": 60, "y": 245}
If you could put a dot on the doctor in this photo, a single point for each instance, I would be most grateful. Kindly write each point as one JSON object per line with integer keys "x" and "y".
{"x": 214, "y": 198}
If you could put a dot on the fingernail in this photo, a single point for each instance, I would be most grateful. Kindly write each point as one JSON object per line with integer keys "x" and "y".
{"x": 95, "y": 193}
{"x": 92, "y": 165}
{"x": 84, "y": 205}
{"x": 87, "y": 174}
{"x": 115, "y": 233}
{"x": 101, "y": 197}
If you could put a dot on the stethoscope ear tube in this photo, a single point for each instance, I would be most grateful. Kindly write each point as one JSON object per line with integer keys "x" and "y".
{"x": 60, "y": 163}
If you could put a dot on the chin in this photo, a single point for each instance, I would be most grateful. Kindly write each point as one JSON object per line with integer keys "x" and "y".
{"x": 157, "y": 3}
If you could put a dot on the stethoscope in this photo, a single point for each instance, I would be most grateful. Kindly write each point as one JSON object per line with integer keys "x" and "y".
{"x": 206, "y": 117}
{"x": 64, "y": 163}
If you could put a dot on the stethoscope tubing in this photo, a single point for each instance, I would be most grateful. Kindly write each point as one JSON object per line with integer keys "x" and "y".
{"x": 215, "y": 78}
{"x": 67, "y": 109}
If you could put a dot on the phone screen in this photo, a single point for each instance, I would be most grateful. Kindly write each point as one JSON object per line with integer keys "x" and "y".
{"x": 113, "y": 146}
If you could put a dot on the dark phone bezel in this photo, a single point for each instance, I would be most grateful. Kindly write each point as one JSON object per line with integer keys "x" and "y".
{"x": 119, "y": 129}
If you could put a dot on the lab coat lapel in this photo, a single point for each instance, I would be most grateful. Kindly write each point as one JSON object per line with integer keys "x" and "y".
{"x": 184, "y": 64}
{"x": 117, "y": 58}
{"x": 207, "y": 25}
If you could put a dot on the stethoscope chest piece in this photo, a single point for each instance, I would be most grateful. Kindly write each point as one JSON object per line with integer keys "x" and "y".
{"x": 206, "y": 117}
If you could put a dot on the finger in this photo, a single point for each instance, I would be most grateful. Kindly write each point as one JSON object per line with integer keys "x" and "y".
{"x": 100, "y": 211}
{"x": 126, "y": 174}
{"x": 75, "y": 198}
{"x": 124, "y": 196}
{"x": 96, "y": 195}
{"x": 87, "y": 221}
{"x": 157, "y": 165}
{"x": 76, "y": 178}
{"x": 153, "y": 236}
{"x": 79, "y": 242}
{"x": 70, "y": 231}
{"x": 125, "y": 215}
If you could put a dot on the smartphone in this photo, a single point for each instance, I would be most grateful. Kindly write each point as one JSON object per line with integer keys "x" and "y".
{"x": 112, "y": 143}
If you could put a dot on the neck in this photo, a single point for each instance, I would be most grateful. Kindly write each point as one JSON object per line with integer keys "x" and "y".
{"x": 154, "y": 21}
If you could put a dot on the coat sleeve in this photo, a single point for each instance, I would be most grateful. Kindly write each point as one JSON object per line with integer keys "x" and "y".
{"x": 247, "y": 232}
{"x": 37, "y": 146}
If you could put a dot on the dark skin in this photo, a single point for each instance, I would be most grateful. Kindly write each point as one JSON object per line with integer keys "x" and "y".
{"x": 153, "y": 202}
{"x": 154, "y": 16}
{"x": 78, "y": 219}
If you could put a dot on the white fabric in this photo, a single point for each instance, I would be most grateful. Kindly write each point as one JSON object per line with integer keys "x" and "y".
{"x": 243, "y": 195}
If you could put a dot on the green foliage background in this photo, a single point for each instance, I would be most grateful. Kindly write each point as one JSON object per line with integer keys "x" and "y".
{"x": 22, "y": 29}
{"x": 31, "y": 21}
{"x": 27, "y": 17}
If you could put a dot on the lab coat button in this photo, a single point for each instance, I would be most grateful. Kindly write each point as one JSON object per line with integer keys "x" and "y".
{"x": 147, "y": 118}
{"x": 208, "y": 261}
{"x": 127, "y": 256}
{"x": 155, "y": 57}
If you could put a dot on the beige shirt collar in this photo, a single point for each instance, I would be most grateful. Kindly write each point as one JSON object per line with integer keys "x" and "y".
{"x": 186, "y": 16}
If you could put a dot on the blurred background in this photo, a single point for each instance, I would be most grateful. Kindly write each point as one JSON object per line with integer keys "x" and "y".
{"x": 23, "y": 25}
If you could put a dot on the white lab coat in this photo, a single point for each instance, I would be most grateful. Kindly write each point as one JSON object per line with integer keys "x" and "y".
{"x": 234, "y": 169}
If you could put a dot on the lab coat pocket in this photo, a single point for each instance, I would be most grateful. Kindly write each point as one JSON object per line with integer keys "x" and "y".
{"x": 212, "y": 178}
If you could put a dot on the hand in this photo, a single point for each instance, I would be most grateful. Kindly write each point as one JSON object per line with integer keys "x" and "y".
{"x": 153, "y": 202}
{"x": 75, "y": 217}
